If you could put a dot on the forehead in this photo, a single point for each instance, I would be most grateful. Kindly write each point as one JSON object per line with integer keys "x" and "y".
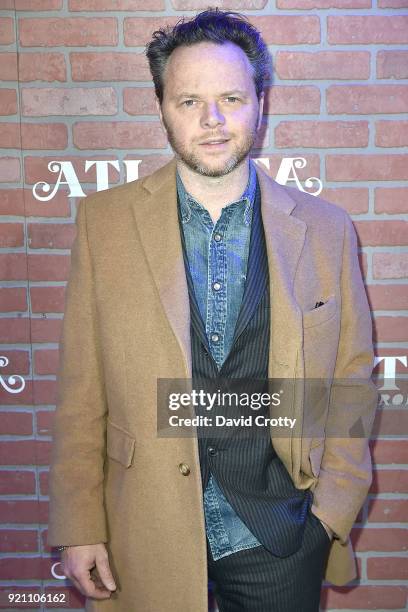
{"x": 205, "y": 64}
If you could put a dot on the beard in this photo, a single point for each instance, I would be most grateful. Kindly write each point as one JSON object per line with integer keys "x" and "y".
{"x": 193, "y": 161}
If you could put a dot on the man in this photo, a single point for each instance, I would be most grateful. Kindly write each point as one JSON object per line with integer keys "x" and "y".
{"x": 209, "y": 268}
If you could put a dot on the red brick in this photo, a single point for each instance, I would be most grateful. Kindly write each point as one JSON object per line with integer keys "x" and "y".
{"x": 276, "y": 29}
{"x": 13, "y": 266}
{"x": 389, "y": 451}
{"x": 392, "y": 64}
{"x": 387, "y": 568}
{"x": 390, "y": 329}
{"x": 46, "y": 362}
{"x": 16, "y": 423}
{"x": 68, "y": 32}
{"x": 139, "y": 101}
{"x": 382, "y": 233}
{"x": 36, "y": 169}
{"x": 13, "y": 299}
{"x": 44, "y": 481}
{"x": 44, "y": 428}
{"x": 384, "y": 297}
{"x": 9, "y": 170}
{"x": 391, "y": 199}
{"x": 366, "y": 29}
{"x": 68, "y": 101}
{"x": 44, "y": 135}
{"x": 51, "y": 235}
{"x": 118, "y": 134}
{"x": 24, "y": 511}
{"x": 58, "y": 206}
{"x": 48, "y": 267}
{"x": 14, "y": 330}
{"x": 12, "y": 202}
{"x": 8, "y": 102}
{"x": 390, "y": 422}
{"x": 38, "y": 5}
{"x": 391, "y": 133}
{"x": 10, "y": 136}
{"x": 393, "y": 3}
{"x": 353, "y": 199}
{"x": 8, "y": 67}
{"x": 323, "y": 4}
{"x": 288, "y": 29}
{"x": 47, "y": 299}
{"x": 390, "y": 265}
{"x": 366, "y": 167}
{"x": 388, "y": 511}
{"x": 370, "y": 597}
{"x": 41, "y": 66}
{"x": 322, "y": 64}
{"x": 379, "y": 539}
{"x": 138, "y": 30}
{"x": 195, "y": 5}
{"x": 367, "y": 99}
{"x": 6, "y": 30}
{"x": 14, "y": 540}
{"x": 321, "y": 134}
{"x": 44, "y": 392}
{"x": 109, "y": 66}
{"x": 22, "y": 568}
{"x": 116, "y": 5}
{"x": 292, "y": 99}
{"x": 11, "y": 235}
{"x": 46, "y": 330}
{"x": 25, "y": 452}
{"x": 17, "y": 482}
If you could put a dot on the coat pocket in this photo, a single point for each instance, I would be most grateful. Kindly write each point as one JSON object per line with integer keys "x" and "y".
{"x": 120, "y": 445}
{"x": 319, "y": 315}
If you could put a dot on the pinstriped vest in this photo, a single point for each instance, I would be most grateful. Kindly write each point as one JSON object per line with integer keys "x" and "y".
{"x": 247, "y": 468}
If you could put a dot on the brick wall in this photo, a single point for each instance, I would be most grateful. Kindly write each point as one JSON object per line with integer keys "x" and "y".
{"x": 76, "y": 88}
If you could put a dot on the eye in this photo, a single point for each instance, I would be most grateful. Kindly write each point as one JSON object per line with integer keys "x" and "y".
{"x": 232, "y": 99}
{"x": 188, "y": 103}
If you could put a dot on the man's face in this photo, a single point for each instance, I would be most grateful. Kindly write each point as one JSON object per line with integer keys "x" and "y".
{"x": 210, "y": 110}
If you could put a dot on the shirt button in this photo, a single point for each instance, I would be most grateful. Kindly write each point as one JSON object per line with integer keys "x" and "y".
{"x": 215, "y": 337}
{"x": 184, "y": 469}
{"x": 217, "y": 237}
{"x": 211, "y": 450}
{"x": 216, "y": 286}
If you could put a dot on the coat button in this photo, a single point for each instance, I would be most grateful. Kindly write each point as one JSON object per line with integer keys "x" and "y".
{"x": 184, "y": 469}
{"x": 211, "y": 450}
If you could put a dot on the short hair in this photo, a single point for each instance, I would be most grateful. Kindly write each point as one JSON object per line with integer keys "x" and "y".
{"x": 212, "y": 25}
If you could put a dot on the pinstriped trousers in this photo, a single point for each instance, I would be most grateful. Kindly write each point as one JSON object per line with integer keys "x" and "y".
{"x": 255, "y": 580}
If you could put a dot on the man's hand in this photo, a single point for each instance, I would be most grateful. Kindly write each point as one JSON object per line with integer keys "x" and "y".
{"x": 77, "y": 561}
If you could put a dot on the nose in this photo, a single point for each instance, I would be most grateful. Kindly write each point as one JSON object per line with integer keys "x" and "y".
{"x": 211, "y": 116}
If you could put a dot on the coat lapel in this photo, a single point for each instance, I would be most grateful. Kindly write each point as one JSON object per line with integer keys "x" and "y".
{"x": 157, "y": 224}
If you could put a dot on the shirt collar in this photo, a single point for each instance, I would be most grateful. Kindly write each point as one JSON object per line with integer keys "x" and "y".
{"x": 186, "y": 201}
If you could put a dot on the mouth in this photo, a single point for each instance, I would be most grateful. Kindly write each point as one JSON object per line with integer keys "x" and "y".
{"x": 215, "y": 143}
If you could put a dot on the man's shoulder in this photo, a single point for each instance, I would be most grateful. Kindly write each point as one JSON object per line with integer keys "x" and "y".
{"x": 311, "y": 207}
{"x": 120, "y": 196}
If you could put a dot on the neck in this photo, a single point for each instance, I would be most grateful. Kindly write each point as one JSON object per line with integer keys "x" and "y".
{"x": 215, "y": 192}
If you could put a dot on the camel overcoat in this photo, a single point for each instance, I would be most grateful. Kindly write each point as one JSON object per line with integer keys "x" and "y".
{"x": 126, "y": 324}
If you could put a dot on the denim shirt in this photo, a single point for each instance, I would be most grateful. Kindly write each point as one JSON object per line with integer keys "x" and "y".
{"x": 218, "y": 256}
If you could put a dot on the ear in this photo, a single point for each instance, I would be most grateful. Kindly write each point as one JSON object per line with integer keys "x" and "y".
{"x": 260, "y": 110}
{"x": 159, "y": 111}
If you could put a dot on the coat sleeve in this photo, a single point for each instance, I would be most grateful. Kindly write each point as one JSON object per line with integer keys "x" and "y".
{"x": 76, "y": 511}
{"x": 346, "y": 471}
